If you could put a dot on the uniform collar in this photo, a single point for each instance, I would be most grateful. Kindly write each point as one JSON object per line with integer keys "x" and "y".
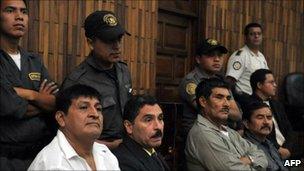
{"x": 23, "y": 53}
{"x": 201, "y": 73}
{"x": 91, "y": 60}
{"x": 252, "y": 53}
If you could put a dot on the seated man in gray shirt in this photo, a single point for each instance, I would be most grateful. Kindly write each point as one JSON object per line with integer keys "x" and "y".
{"x": 210, "y": 144}
{"x": 258, "y": 125}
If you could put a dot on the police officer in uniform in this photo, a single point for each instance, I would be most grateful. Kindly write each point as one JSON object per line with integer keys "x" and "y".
{"x": 243, "y": 62}
{"x": 26, "y": 92}
{"x": 104, "y": 71}
{"x": 209, "y": 61}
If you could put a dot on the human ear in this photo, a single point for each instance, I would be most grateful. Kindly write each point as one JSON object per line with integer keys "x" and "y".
{"x": 259, "y": 85}
{"x": 59, "y": 116}
{"x": 202, "y": 101}
{"x": 90, "y": 43}
{"x": 128, "y": 126}
{"x": 197, "y": 59}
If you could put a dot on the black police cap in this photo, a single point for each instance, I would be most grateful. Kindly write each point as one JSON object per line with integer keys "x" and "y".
{"x": 103, "y": 25}
{"x": 209, "y": 45}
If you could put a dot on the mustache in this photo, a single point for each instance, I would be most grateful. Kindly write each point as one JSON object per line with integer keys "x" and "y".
{"x": 115, "y": 53}
{"x": 157, "y": 134}
{"x": 226, "y": 109}
{"x": 266, "y": 126}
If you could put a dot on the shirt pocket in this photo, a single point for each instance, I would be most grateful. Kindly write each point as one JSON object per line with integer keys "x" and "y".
{"x": 107, "y": 102}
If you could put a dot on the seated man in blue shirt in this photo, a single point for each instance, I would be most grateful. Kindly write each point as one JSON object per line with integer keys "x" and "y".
{"x": 264, "y": 90}
{"x": 258, "y": 125}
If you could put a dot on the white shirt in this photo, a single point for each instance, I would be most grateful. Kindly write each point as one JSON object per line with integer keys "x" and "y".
{"x": 60, "y": 155}
{"x": 279, "y": 136}
{"x": 242, "y": 64}
{"x": 17, "y": 59}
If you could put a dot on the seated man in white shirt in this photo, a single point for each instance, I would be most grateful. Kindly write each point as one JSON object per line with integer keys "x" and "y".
{"x": 80, "y": 122}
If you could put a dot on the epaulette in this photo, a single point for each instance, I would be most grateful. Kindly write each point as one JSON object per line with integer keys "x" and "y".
{"x": 34, "y": 56}
{"x": 190, "y": 75}
{"x": 238, "y": 52}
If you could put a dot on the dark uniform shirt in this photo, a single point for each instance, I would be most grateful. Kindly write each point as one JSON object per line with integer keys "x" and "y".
{"x": 20, "y": 136}
{"x": 115, "y": 90}
{"x": 187, "y": 92}
{"x": 273, "y": 157}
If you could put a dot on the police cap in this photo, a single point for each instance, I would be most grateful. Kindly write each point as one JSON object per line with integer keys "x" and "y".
{"x": 103, "y": 25}
{"x": 209, "y": 45}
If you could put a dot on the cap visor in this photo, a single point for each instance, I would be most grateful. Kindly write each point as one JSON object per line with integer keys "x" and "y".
{"x": 111, "y": 33}
{"x": 222, "y": 49}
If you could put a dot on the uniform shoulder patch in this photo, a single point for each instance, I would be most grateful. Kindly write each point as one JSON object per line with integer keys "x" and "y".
{"x": 35, "y": 76}
{"x": 238, "y": 52}
{"x": 237, "y": 65}
{"x": 190, "y": 88}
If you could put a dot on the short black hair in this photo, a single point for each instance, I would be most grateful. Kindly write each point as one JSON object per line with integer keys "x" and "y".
{"x": 251, "y": 107}
{"x": 259, "y": 76}
{"x": 204, "y": 88}
{"x": 250, "y": 25}
{"x": 25, "y": 2}
{"x": 64, "y": 98}
{"x": 137, "y": 102}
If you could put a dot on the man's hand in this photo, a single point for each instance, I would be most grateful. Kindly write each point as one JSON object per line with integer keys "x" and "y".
{"x": 246, "y": 160}
{"x": 110, "y": 144}
{"x": 48, "y": 88}
{"x": 26, "y": 93}
{"x": 31, "y": 95}
{"x": 284, "y": 152}
{"x": 44, "y": 99}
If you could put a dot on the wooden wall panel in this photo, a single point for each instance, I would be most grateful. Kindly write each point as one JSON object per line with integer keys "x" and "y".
{"x": 283, "y": 43}
{"x": 56, "y": 33}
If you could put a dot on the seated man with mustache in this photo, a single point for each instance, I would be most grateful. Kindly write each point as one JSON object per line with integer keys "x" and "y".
{"x": 80, "y": 123}
{"x": 282, "y": 136}
{"x": 258, "y": 123}
{"x": 143, "y": 122}
{"x": 211, "y": 145}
